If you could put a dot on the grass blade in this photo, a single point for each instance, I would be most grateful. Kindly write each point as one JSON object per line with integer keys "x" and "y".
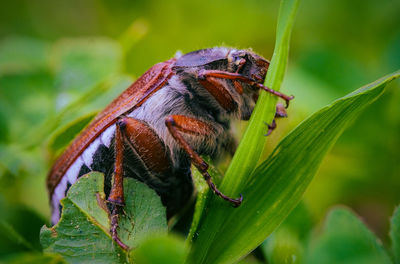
{"x": 278, "y": 184}
{"x": 252, "y": 144}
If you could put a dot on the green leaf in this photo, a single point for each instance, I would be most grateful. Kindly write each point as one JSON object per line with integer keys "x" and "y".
{"x": 395, "y": 234}
{"x": 252, "y": 144}
{"x": 203, "y": 194}
{"x": 226, "y": 234}
{"x": 82, "y": 234}
{"x": 345, "y": 239}
{"x": 145, "y": 215}
{"x": 162, "y": 250}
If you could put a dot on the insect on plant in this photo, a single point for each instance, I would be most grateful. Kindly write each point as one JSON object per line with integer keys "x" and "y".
{"x": 159, "y": 126}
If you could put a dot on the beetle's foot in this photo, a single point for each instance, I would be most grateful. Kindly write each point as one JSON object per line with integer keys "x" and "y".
{"x": 288, "y": 99}
{"x": 233, "y": 201}
{"x": 115, "y": 212}
{"x": 280, "y": 111}
{"x": 236, "y": 202}
{"x": 271, "y": 127}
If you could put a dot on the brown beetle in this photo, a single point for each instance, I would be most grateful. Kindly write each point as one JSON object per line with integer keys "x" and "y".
{"x": 175, "y": 112}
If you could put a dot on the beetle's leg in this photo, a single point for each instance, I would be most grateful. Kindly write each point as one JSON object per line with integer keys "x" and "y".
{"x": 219, "y": 92}
{"x": 116, "y": 197}
{"x": 149, "y": 150}
{"x": 178, "y": 124}
{"x": 239, "y": 77}
{"x": 280, "y": 112}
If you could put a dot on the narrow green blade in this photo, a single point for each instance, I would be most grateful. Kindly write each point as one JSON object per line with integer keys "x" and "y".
{"x": 227, "y": 234}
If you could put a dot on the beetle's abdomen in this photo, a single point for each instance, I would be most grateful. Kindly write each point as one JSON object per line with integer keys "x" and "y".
{"x": 145, "y": 159}
{"x": 99, "y": 156}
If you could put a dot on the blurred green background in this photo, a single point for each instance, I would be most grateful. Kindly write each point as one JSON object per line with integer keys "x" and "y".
{"x": 63, "y": 60}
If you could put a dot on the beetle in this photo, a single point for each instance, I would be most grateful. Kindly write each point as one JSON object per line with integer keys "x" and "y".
{"x": 160, "y": 125}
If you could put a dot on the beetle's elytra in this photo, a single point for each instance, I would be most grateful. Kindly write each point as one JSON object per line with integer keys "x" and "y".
{"x": 175, "y": 112}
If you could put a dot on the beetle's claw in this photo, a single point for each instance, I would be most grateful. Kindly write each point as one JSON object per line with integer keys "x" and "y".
{"x": 287, "y": 100}
{"x": 237, "y": 202}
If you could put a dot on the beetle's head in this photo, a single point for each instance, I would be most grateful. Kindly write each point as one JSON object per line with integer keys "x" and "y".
{"x": 253, "y": 67}
{"x": 248, "y": 64}
{"x": 245, "y": 63}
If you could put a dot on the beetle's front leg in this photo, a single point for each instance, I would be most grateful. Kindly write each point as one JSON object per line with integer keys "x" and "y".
{"x": 178, "y": 124}
{"x": 280, "y": 112}
{"x": 239, "y": 77}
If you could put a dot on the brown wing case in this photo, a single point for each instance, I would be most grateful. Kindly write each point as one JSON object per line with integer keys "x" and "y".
{"x": 151, "y": 81}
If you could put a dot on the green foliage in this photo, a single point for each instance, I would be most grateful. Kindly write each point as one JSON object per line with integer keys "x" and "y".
{"x": 345, "y": 239}
{"x": 83, "y": 235}
{"x": 65, "y": 135}
{"x": 287, "y": 243}
{"x": 50, "y": 86}
{"x": 278, "y": 184}
{"x": 23, "y": 54}
{"x": 15, "y": 234}
{"x": 161, "y": 250}
{"x": 395, "y": 235}
{"x": 80, "y": 65}
{"x": 283, "y": 247}
{"x": 252, "y": 144}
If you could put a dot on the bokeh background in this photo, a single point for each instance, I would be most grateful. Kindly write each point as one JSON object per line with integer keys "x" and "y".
{"x": 62, "y": 61}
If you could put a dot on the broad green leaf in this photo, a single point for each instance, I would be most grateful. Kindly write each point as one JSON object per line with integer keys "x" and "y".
{"x": 145, "y": 215}
{"x": 161, "y": 250}
{"x": 395, "y": 234}
{"x": 35, "y": 258}
{"x": 345, "y": 239}
{"x": 277, "y": 185}
{"x": 82, "y": 234}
